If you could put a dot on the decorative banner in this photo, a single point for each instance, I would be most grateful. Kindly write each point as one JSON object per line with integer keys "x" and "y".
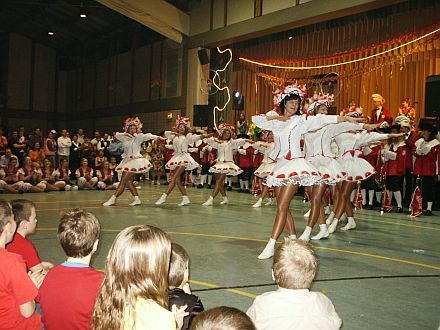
{"x": 416, "y": 203}
{"x": 217, "y": 76}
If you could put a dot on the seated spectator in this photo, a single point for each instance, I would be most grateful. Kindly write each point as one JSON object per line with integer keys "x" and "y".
{"x": 5, "y": 187}
{"x": 62, "y": 173}
{"x": 105, "y": 177}
{"x": 3, "y": 142}
{"x": 17, "y": 289}
{"x": 293, "y": 306}
{"x": 37, "y": 155}
{"x": 180, "y": 292}
{"x": 100, "y": 159}
{"x": 11, "y": 175}
{"x": 6, "y": 158}
{"x": 25, "y": 216}
{"x": 134, "y": 294}
{"x": 68, "y": 293}
{"x": 223, "y": 318}
{"x": 112, "y": 166}
{"x": 48, "y": 177}
{"x": 85, "y": 177}
{"x": 30, "y": 177}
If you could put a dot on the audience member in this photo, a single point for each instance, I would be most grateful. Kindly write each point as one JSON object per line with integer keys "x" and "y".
{"x": 223, "y": 318}
{"x": 50, "y": 147}
{"x": 84, "y": 176}
{"x": 37, "y": 155}
{"x": 64, "y": 144}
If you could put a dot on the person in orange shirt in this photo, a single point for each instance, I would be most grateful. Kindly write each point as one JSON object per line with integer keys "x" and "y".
{"x": 37, "y": 155}
{"x": 3, "y": 142}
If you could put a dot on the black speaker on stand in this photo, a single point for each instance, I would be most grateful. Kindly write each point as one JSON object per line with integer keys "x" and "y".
{"x": 203, "y": 56}
{"x": 432, "y": 97}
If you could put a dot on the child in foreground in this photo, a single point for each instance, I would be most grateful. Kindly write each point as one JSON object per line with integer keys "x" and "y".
{"x": 293, "y": 306}
{"x": 223, "y": 318}
{"x": 134, "y": 294}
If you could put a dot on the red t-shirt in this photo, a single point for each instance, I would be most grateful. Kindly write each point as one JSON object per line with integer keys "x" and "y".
{"x": 22, "y": 246}
{"x": 67, "y": 296}
{"x": 16, "y": 288}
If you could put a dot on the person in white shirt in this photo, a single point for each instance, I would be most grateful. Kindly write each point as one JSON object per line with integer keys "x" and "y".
{"x": 293, "y": 305}
{"x": 64, "y": 144}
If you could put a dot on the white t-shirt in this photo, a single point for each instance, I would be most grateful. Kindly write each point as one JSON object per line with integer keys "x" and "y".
{"x": 64, "y": 144}
{"x": 287, "y": 309}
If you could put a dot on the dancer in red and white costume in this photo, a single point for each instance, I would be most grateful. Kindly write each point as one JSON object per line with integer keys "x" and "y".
{"x": 356, "y": 169}
{"x": 318, "y": 149}
{"x": 85, "y": 176}
{"x": 224, "y": 165}
{"x": 181, "y": 160}
{"x": 291, "y": 169}
{"x": 62, "y": 173}
{"x": 266, "y": 166}
{"x": 52, "y": 184}
{"x": 105, "y": 177}
{"x": 133, "y": 162}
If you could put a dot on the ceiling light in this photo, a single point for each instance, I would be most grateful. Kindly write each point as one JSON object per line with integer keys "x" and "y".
{"x": 50, "y": 33}
{"x": 290, "y": 38}
{"x": 83, "y": 15}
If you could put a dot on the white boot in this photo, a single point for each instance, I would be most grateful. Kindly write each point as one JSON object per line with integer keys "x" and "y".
{"x": 258, "y": 203}
{"x": 306, "y": 234}
{"x": 224, "y": 201}
{"x": 330, "y": 218}
{"x": 185, "y": 201}
{"x": 269, "y": 250}
{"x": 327, "y": 210}
{"x": 136, "y": 201}
{"x": 209, "y": 202}
{"x": 306, "y": 215}
{"x": 351, "y": 224}
{"x": 333, "y": 225}
{"x": 162, "y": 199}
{"x": 269, "y": 202}
{"x": 111, "y": 201}
{"x": 323, "y": 232}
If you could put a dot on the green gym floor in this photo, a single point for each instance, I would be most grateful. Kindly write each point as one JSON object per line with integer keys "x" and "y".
{"x": 383, "y": 275}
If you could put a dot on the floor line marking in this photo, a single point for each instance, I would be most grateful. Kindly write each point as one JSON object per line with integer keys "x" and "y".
{"x": 210, "y": 285}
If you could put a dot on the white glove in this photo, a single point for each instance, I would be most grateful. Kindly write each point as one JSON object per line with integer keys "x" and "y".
{"x": 384, "y": 125}
{"x": 242, "y": 152}
{"x": 367, "y": 150}
{"x": 389, "y": 155}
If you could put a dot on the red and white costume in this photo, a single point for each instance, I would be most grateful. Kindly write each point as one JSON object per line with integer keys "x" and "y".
{"x": 224, "y": 162}
{"x": 267, "y": 164}
{"x": 181, "y": 156}
{"x": 394, "y": 157}
{"x": 133, "y": 161}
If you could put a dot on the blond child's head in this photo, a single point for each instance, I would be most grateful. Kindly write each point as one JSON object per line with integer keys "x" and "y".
{"x": 179, "y": 266}
{"x": 78, "y": 233}
{"x": 222, "y": 318}
{"x": 25, "y": 215}
{"x": 136, "y": 267}
{"x": 294, "y": 265}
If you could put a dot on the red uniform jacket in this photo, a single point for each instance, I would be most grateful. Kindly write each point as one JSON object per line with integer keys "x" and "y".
{"x": 384, "y": 116}
{"x": 410, "y": 142}
{"x": 427, "y": 164}
{"x": 375, "y": 159}
{"x": 258, "y": 158}
{"x": 167, "y": 153}
{"x": 394, "y": 166}
{"x": 247, "y": 160}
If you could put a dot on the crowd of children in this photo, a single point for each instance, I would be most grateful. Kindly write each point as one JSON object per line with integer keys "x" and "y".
{"x": 144, "y": 285}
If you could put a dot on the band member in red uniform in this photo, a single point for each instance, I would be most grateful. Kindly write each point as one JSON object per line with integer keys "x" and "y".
{"x": 411, "y": 137}
{"x": 379, "y": 114}
{"x": 206, "y": 162}
{"x": 372, "y": 154}
{"x": 245, "y": 160}
{"x": 426, "y": 165}
{"x": 394, "y": 155}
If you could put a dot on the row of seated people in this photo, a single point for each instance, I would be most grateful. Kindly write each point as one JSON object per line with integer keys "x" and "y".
{"x": 145, "y": 284}
{"x": 30, "y": 178}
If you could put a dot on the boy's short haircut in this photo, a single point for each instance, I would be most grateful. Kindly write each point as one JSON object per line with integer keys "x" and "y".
{"x": 5, "y": 214}
{"x": 294, "y": 265}
{"x": 78, "y": 231}
{"x": 179, "y": 263}
{"x": 22, "y": 209}
{"x": 222, "y": 318}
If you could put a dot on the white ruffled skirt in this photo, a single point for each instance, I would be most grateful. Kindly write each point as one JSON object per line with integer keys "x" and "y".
{"x": 183, "y": 159}
{"x": 264, "y": 170}
{"x": 294, "y": 171}
{"x": 228, "y": 168}
{"x": 329, "y": 169}
{"x": 133, "y": 165}
{"x": 356, "y": 169}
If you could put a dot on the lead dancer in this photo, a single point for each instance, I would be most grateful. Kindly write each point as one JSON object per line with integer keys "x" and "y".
{"x": 291, "y": 169}
{"x": 181, "y": 160}
{"x": 133, "y": 162}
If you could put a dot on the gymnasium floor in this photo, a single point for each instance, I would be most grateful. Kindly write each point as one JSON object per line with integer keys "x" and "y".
{"x": 384, "y": 275}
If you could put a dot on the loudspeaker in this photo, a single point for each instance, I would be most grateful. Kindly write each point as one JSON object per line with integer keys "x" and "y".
{"x": 203, "y": 56}
{"x": 432, "y": 96}
{"x": 202, "y": 115}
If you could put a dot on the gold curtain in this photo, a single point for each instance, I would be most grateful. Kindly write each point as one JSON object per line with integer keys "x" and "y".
{"x": 401, "y": 73}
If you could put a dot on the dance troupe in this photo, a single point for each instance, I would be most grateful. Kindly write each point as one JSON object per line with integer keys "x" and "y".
{"x": 304, "y": 146}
